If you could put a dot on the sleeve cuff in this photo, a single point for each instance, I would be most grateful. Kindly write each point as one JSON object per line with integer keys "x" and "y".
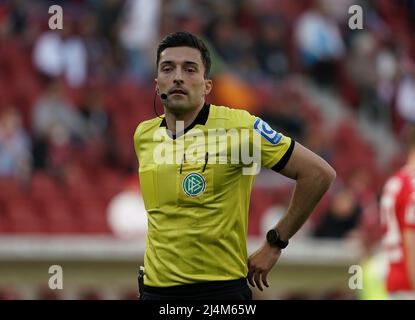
{"x": 283, "y": 161}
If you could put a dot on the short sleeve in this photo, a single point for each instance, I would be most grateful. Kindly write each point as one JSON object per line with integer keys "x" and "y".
{"x": 276, "y": 148}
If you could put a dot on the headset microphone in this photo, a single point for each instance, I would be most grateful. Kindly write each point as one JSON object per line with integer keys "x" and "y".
{"x": 163, "y": 97}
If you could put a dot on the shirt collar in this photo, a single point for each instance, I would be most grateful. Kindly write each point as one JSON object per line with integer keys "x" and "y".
{"x": 201, "y": 118}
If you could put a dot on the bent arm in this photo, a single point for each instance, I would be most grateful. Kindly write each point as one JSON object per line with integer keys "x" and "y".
{"x": 313, "y": 177}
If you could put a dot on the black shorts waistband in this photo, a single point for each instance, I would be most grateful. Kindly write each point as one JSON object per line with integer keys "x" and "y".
{"x": 199, "y": 288}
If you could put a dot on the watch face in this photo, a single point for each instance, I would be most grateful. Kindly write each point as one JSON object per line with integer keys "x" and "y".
{"x": 272, "y": 236}
{"x": 273, "y": 239}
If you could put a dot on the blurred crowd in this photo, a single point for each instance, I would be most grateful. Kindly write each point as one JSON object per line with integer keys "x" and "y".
{"x": 70, "y": 99}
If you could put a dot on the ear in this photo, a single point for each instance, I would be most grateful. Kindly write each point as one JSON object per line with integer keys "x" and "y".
{"x": 157, "y": 87}
{"x": 208, "y": 86}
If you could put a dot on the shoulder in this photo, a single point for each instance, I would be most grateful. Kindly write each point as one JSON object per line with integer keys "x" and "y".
{"x": 397, "y": 182}
{"x": 233, "y": 117}
{"x": 146, "y": 127}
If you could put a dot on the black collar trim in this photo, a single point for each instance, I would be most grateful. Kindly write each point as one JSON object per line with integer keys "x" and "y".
{"x": 201, "y": 118}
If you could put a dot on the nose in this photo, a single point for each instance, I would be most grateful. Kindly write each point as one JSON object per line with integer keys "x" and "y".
{"x": 178, "y": 76}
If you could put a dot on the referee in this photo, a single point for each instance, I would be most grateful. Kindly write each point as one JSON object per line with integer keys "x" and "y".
{"x": 198, "y": 210}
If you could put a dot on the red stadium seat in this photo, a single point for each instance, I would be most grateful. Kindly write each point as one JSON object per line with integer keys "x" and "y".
{"x": 23, "y": 218}
{"x": 43, "y": 185}
{"x": 60, "y": 218}
{"x": 11, "y": 188}
{"x": 4, "y": 224}
{"x": 110, "y": 183}
{"x": 93, "y": 217}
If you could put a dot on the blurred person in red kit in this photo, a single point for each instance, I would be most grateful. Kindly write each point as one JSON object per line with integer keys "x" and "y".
{"x": 398, "y": 218}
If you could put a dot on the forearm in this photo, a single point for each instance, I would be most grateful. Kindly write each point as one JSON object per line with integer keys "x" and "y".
{"x": 307, "y": 193}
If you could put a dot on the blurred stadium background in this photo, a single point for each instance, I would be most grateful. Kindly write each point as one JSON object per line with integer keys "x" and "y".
{"x": 70, "y": 100}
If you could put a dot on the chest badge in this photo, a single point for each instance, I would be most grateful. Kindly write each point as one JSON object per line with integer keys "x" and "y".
{"x": 194, "y": 184}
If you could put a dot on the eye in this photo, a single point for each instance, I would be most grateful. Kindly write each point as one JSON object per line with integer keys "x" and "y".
{"x": 166, "y": 68}
{"x": 191, "y": 70}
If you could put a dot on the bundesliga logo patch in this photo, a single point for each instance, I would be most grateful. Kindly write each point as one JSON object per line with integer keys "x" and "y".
{"x": 194, "y": 184}
{"x": 266, "y": 131}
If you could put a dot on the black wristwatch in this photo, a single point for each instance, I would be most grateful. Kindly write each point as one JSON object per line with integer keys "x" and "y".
{"x": 274, "y": 240}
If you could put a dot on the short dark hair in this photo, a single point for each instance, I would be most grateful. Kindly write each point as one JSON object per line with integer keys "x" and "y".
{"x": 186, "y": 39}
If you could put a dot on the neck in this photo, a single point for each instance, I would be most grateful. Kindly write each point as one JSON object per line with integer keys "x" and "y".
{"x": 187, "y": 117}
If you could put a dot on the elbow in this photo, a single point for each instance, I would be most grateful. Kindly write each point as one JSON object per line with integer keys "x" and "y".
{"x": 327, "y": 176}
{"x": 331, "y": 173}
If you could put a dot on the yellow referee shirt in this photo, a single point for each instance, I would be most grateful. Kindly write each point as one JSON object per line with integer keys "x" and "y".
{"x": 197, "y": 193}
